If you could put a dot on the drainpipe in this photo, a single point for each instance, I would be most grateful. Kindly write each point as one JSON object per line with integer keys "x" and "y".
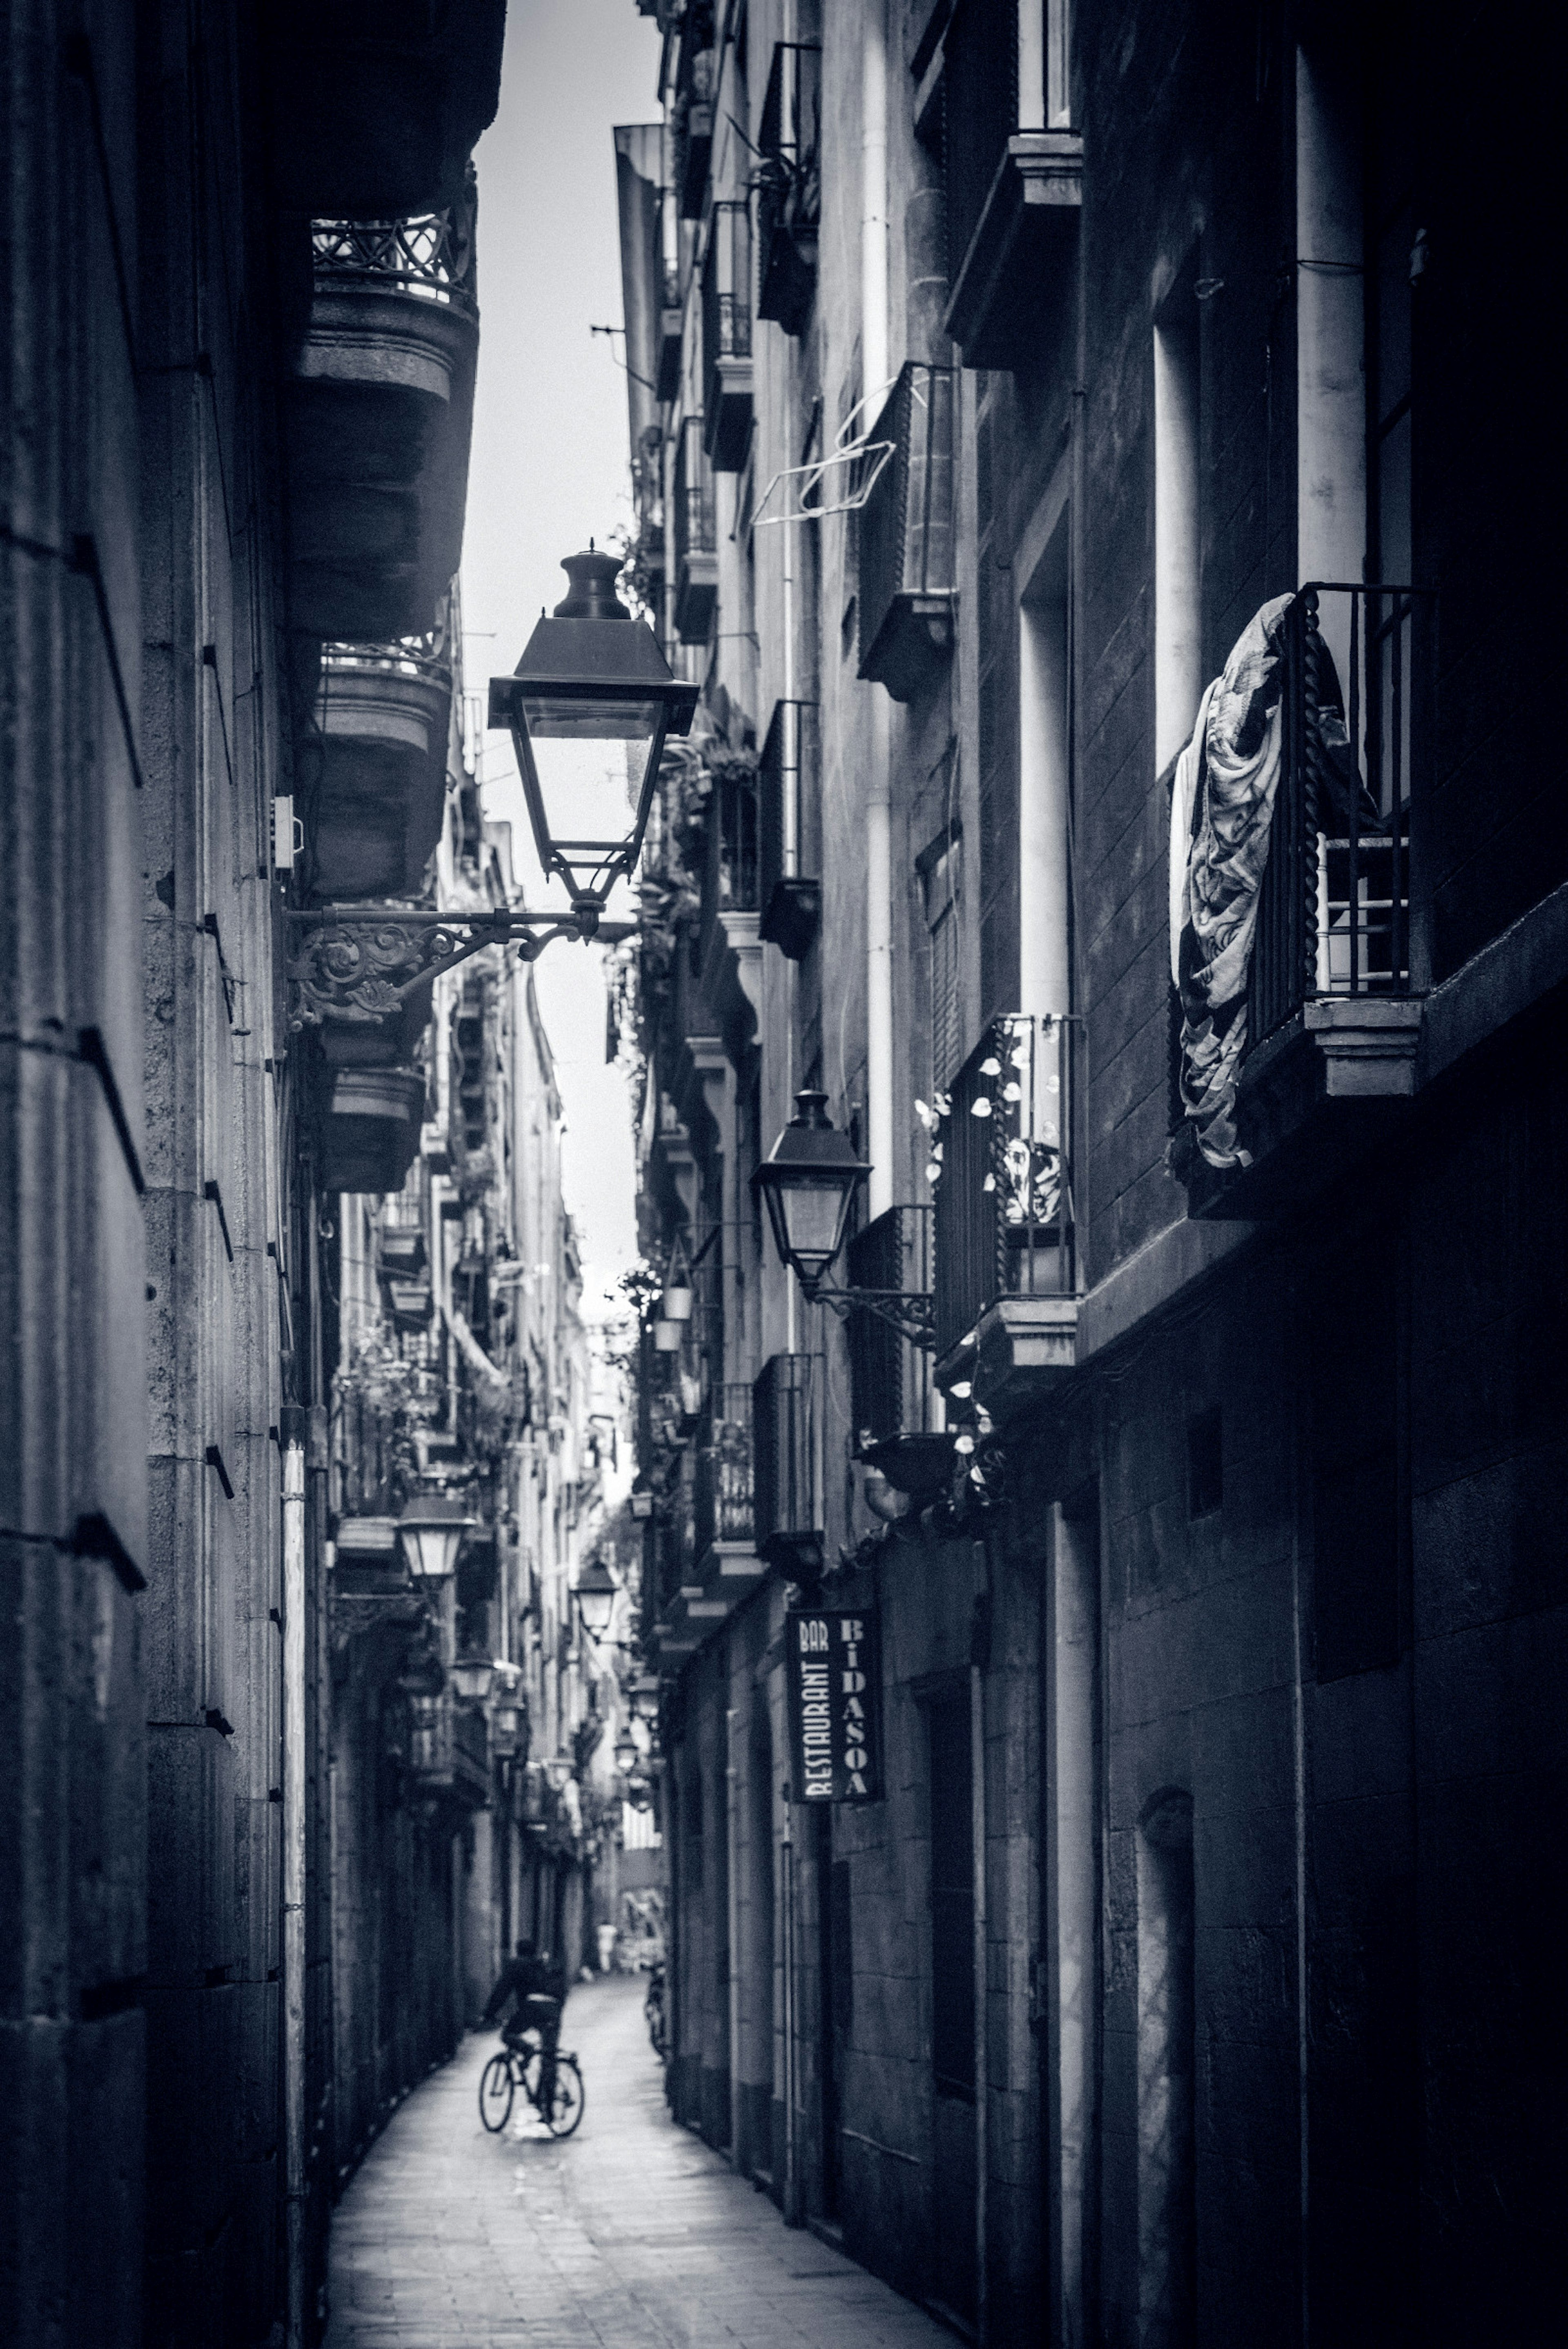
{"x": 981, "y": 2084}
{"x": 733, "y": 1927}
{"x": 879, "y": 851}
{"x": 294, "y": 1421}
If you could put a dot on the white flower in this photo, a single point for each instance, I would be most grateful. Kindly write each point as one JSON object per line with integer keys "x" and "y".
{"x": 933, "y": 1172}
{"x": 961, "y": 1388}
{"x": 981, "y": 1108}
{"x": 991, "y": 1066}
{"x": 963, "y": 1444}
{"x": 1011, "y": 1091}
{"x": 989, "y": 1184}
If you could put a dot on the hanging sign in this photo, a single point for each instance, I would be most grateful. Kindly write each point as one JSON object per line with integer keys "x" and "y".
{"x": 834, "y": 1670}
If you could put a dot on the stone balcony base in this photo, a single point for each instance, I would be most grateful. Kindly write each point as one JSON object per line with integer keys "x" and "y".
{"x": 1026, "y": 1350}
{"x": 1329, "y": 1085}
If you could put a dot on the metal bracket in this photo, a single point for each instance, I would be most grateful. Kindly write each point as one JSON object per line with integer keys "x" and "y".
{"x": 363, "y": 962}
{"x": 912, "y": 1311}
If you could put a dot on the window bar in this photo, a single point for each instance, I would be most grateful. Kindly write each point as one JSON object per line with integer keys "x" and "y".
{"x": 1353, "y": 728}
{"x": 1309, "y": 901}
{"x": 1398, "y": 911}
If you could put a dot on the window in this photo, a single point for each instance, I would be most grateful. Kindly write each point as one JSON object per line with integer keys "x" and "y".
{"x": 939, "y": 870}
{"x": 1044, "y": 739}
{"x": 1178, "y": 532}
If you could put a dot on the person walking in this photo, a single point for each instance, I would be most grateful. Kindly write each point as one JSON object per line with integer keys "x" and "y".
{"x": 535, "y": 1986}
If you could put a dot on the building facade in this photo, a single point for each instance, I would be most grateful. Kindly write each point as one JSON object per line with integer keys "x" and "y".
{"x": 284, "y": 1256}
{"x": 1121, "y": 790}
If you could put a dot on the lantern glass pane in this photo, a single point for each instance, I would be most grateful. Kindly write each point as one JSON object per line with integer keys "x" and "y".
{"x": 812, "y": 1214}
{"x": 590, "y": 760}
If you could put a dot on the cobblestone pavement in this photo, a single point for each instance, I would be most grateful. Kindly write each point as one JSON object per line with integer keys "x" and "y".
{"x": 630, "y": 2235}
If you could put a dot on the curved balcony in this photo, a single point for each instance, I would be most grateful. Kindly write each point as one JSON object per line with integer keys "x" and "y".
{"x": 384, "y": 713}
{"x": 378, "y": 415}
{"x": 370, "y": 1132}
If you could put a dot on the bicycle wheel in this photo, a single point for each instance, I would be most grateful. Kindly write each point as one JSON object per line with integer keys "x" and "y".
{"x": 495, "y": 2087}
{"x": 566, "y": 2109}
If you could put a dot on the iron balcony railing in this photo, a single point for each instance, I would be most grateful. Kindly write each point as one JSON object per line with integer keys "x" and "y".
{"x": 725, "y": 1498}
{"x": 727, "y": 287}
{"x": 427, "y": 657}
{"x": 1004, "y": 1210}
{"x": 729, "y": 869}
{"x": 789, "y": 185}
{"x": 695, "y": 528}
{"x": 1334, "y": 905}
{"x": 430, "y": 257}
{"x": 788, "y": 886}
{"x": 889, "y": 1369}
{"x": 907, "y": 577}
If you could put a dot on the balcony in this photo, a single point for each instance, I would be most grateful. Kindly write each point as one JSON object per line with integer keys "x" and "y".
{"x": 727, "y": 337}
{"x": 891, "y": 1400}
{"x": 377, "y": 415}
{"x": 384, "y": 712}
{"x": 384, "y": 105}
{"x": 369, "y": 1128}
{"x": 789, "y": 186}
{"x": 696, "y": 537}
{"x": 789, "y": 896}
{"x": 671, "y": 309}
{"x": 1339, "y": 962}
{"x": 725, "y": 1495}
{"x": 727, "y": 933}
{"x": 907, "y": 581}
{"x": 692, "y": 114}
{"x": 1014, "y": 195}
{"x": 1006, "y": 1268}
{"x": 788, "y": 1521}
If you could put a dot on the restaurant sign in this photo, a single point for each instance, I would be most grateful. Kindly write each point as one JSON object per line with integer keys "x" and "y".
{"x": 834, "y": 1673}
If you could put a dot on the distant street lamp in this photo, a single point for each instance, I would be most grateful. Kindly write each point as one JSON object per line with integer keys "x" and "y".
{"x": 808, "y": 1180}
{"x": 431, "y": 1530}
{"x": 588, "y": 709}
{"x": 644, "y": 1695}
{"x": 627, "y": 1752}
{"x": 472, "y": 1677}
{"x": 595, "y": 1594}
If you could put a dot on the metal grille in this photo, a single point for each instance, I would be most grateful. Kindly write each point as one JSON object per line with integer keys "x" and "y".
{"x": 789, "y": 185}
{"x": 1334, "y": 903}
{"x": 905, "y": 526}
{"x": 729, "y": 870}
{"x": 724, "y": 1493}
{"x": 694, "y": 523}
{"x": 430, "y": 257}
{"x": 727, "y": 288}
{"x": 784, "y": 1448}
{"x": 889, "y": 1374}
{"x": 1004, "y": 1214}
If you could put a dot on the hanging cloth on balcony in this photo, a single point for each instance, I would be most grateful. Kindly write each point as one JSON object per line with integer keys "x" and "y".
{"x": 492, "y": 1381}
{"x": 1222, "y": 804}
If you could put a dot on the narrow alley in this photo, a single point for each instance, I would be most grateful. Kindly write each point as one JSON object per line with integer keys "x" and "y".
{"x": 631, "y": 2234}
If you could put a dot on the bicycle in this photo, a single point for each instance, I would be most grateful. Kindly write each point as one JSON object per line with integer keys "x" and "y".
{"x": 653, "y": 2008}
{"x": 511, "y": 2068}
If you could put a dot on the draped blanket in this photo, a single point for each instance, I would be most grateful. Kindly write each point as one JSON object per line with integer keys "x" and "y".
{"x": 1222, "y": 805}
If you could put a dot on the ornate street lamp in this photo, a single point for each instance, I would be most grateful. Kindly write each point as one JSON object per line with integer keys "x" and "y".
{"x": 431, "y": 1530}
{"x": 644, "y": 1695}
{"x": 557, "y": 1771}
{"x": 627, "y": 1752}
{"x": 472, "y": 1677}
{"x": 595, "y": 1594}
{"x": 808, "y": 1180}
{"x": 588, "y": 709}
